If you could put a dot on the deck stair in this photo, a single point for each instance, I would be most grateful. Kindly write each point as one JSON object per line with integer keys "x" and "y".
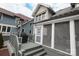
{"x": 32, "y": 49}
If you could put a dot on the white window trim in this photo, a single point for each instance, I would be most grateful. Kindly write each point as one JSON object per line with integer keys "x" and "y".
{"x": 8, "y": 25}
{"x": 41, "y": 35}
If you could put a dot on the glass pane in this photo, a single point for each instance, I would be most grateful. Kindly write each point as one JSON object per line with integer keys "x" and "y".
{"x": 38, "y": 31}
{"x": 38, "y": 38}
{"x": 8, "y": 29}
{"x": 77, "y": 36}
{"x": 4, "y": 29}
{"x": 38, "y": 34}
{"x": 62, "y": 36}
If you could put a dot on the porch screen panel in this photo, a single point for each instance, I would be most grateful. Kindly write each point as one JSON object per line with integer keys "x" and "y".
{"x": 77, "y": 36}
{"x": 62, "y": 36}
{"x": 47, "y": 31}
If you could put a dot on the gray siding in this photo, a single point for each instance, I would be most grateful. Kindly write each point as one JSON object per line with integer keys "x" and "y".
{"x": 28, "y": 27}
{"x": 8, "y": 20}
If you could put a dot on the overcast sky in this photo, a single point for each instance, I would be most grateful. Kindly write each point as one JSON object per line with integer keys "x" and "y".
{"x": 27, "y": 8}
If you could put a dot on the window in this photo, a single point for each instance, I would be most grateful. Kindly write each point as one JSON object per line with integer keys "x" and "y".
{"x": 43, "y": 15}
{"x": 38, "y": 31}
{"x": 30, "y": 24}
{"x": 38, "y": 34}
{"x": 62, "y": 36}
{"x": 30, "y": 31}
{"x": 8, "y": 29}
{"x": 40, "y": 17}
{"x": 4, "y": 29}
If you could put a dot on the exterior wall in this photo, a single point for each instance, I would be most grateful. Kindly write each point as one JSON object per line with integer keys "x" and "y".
{"x": 69, "y": 33}
{"x": 8, "y": 21}
{"x": 28, "y": 27}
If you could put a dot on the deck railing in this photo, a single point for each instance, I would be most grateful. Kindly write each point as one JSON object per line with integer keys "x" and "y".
{"x": 16, "y": 43}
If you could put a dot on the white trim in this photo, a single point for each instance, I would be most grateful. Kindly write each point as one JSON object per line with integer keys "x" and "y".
{"x": 69, "y": 18}
{"x": 41, "y": 34}
{"x": 1, "y": 28}
{"x": 6, "y": 28}
{"x": 72, "y": 38}
{"x": 7, "y": 25}
{"x": 52, "y": 36}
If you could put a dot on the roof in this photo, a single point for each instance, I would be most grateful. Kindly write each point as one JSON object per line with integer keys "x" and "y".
{"x": 66, "y": 12}
{"x": 22, "y": 17}
{"x": 4, "y": 11}
{"x": 28, "y": 21}
{"x": 38, "y": 6}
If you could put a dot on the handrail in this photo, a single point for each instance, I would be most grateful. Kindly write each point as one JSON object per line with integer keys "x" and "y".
{"x": 15, "y": 42}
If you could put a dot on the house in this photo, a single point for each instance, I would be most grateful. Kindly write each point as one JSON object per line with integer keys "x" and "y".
{"x": 28, "y": 28}
{"x": 7, "y": 21}
{"x": 58, "y": 33}
{"x": 23, "y": 23}
{"x": 10, "y": 22}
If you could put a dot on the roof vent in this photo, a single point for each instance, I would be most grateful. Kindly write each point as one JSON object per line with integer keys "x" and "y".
{"x": 73, "y": 5}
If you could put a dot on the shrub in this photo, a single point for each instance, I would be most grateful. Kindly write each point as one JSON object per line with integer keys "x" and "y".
{"x": 1, "y": 41}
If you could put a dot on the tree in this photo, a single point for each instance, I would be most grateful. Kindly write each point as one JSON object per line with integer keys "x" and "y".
{"x": 1, "y": 41}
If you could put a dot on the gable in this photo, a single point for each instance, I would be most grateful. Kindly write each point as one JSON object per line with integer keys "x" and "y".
{"x": 41, "y": 10}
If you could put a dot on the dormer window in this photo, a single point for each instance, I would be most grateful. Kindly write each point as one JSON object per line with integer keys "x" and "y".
{"x": 43, "y": 15}
{"x": 40, "y": 16}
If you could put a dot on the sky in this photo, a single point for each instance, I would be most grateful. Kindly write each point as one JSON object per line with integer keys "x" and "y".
{"x": 28, "y": 8}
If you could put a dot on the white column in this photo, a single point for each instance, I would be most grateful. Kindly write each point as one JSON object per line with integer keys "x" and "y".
{"x": 35, "y": 33}
{"x": 41, "y": 34}
{"x": 52, "y": 36}
{"x": 72, "y": 38}
{"x": 6, "y": 28}
{"x": 1, "y": 28}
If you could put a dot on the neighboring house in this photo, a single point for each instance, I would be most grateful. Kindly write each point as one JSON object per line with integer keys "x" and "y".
{"x": 60, "y": 31}
{"x": 28, "y": 28}
{"x": 7, "y": 21}
{"x": 10, "y": 22}
{"x": 22, "y": 23}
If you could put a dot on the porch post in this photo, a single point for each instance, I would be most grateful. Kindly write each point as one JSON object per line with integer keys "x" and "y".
{"x": 52, "y": 36}
{"x": 35, "y": 33}
{"x": 41, "y": 34}
{"x": 72, "y": 38}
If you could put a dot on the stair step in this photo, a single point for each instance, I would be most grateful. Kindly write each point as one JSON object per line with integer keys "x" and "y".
{"x": 31, "y": 49}
{"x": 40, "y": 54}
{"x": 34, "y": 52}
